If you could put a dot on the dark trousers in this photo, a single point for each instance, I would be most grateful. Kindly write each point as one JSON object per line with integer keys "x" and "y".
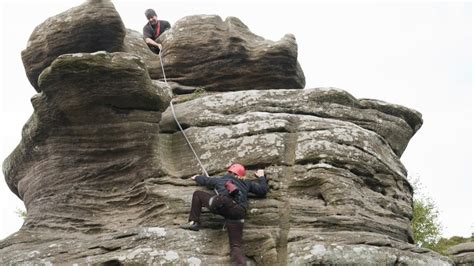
{"x": 235, "y": 231}
{"x": 225, "y": 206}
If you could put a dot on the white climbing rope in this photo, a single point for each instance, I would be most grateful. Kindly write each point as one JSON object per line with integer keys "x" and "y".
{"x": 176, "y": 119}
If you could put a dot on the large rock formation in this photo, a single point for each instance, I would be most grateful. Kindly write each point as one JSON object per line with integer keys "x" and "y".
{"x": 101, "y": 165}
{"x": 218, "y": 55}
{"x": 207, "y": 53}
{"x": 463, "y": 254}
{"x": 92, "y": 26}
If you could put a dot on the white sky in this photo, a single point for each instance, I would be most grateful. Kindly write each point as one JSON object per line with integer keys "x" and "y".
{"x": 415, "y": 54}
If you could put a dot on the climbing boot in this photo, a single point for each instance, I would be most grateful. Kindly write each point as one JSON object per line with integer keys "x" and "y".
{"x": 192, "y": 225}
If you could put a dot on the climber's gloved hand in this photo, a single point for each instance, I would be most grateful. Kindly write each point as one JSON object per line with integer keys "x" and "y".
{"x": 193, "y": 177}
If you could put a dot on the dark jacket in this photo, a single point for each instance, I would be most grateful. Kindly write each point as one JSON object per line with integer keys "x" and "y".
{"x": 149, "y": 31}
{"x": 259, "y": 187}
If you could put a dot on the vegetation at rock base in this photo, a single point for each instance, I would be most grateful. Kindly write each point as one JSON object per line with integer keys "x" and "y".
{"x": 426, "y": 225}
{"x": 444, "y": 244}
{"x": 21, "y": 213}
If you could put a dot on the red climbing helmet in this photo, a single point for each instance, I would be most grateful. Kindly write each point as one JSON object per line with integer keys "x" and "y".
{"x": 237, "y": 169}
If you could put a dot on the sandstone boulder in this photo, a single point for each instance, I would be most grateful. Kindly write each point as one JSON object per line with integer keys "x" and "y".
{"x": 311, "y": 143}
{"x": 462, "y": 254}
{"x": 134, "y": 44}
{"x": 94, "y": 119}
{"x": 394, "y": 127}
{"x": 90, "y": 27}
{"x": 203, "y": 51}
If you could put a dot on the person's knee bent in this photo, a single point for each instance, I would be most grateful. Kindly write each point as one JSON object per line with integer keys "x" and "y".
{"x": 202, "y": 197}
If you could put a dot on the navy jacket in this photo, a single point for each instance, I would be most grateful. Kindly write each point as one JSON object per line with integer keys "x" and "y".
{"x": 259, "y": 187}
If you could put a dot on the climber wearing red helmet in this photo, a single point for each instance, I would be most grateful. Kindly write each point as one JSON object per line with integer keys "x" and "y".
{"x": 237, "y": 169}
{"x": 231, "y": 202}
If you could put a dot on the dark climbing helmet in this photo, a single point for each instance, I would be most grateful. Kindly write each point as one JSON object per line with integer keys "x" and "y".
{"x": 237, "y": 169}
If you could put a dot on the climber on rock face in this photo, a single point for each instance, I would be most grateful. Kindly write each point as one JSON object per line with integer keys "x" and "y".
{"x": 230, "y": 202}
{"x": 153, "y": 29}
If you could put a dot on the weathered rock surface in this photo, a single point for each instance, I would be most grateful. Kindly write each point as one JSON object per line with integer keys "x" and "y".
{"x": 395, "y": 127}
{"x": 160, "y": 245}
{"x": 462, "y": 254}
{"x": 207, "y": 52}
{"x": 339, "y": 193}
{"x": 90, "y": 27}
{"x": 199, "y": 51}
{"x": 101, "y": 163}
{"x": 94, "y": 121}
{"x": 133, "y": 43}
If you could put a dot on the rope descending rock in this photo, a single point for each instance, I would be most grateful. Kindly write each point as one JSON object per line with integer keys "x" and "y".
{"x": 176, "y": 119}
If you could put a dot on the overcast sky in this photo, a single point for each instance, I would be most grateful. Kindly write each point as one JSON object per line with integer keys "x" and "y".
{"x": 414, "y": 54}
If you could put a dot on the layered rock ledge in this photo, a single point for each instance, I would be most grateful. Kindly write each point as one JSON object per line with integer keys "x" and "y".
{"x": 462, "y": 254}
{"x": 95, "y": 21}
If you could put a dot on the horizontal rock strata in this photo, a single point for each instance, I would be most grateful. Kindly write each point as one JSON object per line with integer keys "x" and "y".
{"x": 462, "y": 254}
{"x": 88, "y": 138}
{"x": 205, "y": 52}
{"x": 90, "y": 27}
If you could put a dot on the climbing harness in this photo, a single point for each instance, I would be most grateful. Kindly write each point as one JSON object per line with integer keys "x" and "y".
{"x": 177, "y": 122}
